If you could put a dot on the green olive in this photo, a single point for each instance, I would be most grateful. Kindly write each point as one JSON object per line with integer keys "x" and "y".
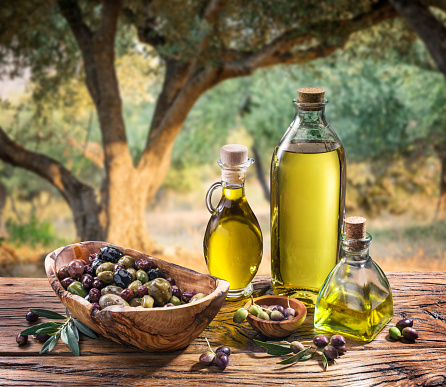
{"x": 175, "y": 300}
{"x": 160, "y": 290}
{"x": 395, "y": 333}
{"x": 136, "y": 302}
{"x": 127, "y": 261}
{"x": 77, "y": 288}
{"x": 263, "y": 315}
{"x": 132, "y": 272}
{"x": 111, "y": 299}
{"x": 254, "y": 310}
{"x": 106, "y": 277}
{"x": 111, "y": 289}
{"x": 197, "y": 297}
{"x": 147, "y": 302}
{"x": 106, "y": 266}
{"x": 240, "y": 315}
{"x": 134, "y": 286}
{"x": 142, "y": 276}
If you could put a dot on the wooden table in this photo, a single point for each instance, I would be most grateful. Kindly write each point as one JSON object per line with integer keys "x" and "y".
{"x": 421, "y": 296}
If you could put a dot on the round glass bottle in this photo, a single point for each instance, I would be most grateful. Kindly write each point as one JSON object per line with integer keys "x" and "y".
{"x": 356, "y": 299}
{"x": 233, "y": 242}
{"x": 307, "y": 200}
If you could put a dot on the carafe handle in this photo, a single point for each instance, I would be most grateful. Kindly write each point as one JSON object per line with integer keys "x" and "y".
{"x": 211, "y": 190}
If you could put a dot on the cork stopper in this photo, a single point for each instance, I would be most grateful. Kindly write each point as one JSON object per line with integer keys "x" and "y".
{"x": 233, "y": 154}
{"x": 355, "y": 227}
{"x": 310, "y": 95}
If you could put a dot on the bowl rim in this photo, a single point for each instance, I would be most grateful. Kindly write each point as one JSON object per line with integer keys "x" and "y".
{"x": 271, "y": 322}
{"x": 221, "y": 285}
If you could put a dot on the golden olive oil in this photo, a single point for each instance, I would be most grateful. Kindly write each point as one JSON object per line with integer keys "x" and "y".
{"x": 353, "y": 315}
{"x": 307, "y": 204}
{"x": 233, "y": 243}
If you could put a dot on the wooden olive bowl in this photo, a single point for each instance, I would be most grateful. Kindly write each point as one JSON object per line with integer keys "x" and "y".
{"x": 157, "y": 329}
{"x": 277, "y": 328}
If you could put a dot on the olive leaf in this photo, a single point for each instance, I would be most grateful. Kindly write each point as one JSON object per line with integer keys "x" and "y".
{"x": 307, "y": 357}
{"x": 47, "y": 331}
{"x": 51, "y": 342}
{"x": 64, "y": 336}
{"x": 33, "y": 330}
{"x": 295, "y": 357}
{"x": 72, "y": 342}
{"x": 54, "y": 342}
{"x": 274, "y": 349}
{"x": 74, "y": 329}
{"x": 84, "y": 329}
{"x": 48, "y": 314}
{"x": 324, "y": 361}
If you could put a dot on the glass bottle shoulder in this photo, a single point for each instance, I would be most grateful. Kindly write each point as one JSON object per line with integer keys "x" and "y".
{"x": 234, "y": 207}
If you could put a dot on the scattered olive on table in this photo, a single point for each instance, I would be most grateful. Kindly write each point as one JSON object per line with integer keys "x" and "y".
{"x": 320, "y": 341}
{"x": 296, "y": 346}
{"x": 109, "y": 277}
{"x": 395, "y": 333}
{"x": 410, "y": 333}
{"x": 21, "y": 339}
{"x": 42, "y": 338}
{"x": 32, "y": 317}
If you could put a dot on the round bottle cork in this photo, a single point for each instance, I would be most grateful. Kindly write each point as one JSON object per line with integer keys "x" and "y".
{"x": 233, "y": 154}
{"x": 355, "y": 227}
{"x": 310, "y": 95}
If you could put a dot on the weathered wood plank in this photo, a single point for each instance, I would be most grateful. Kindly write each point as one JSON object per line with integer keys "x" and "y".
{"x": 412, "y": 297}
{"x": 414, "y": 367}
{"x": 421, "y": 296}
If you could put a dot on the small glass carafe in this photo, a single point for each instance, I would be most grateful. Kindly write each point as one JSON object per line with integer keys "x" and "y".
{"x": 356, "y": 299}
{"x": 233, "y": 242}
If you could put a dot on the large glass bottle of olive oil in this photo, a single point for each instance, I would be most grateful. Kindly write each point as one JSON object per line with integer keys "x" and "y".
{"x": 233, "y": 242}
{"x": 307, "y": 201}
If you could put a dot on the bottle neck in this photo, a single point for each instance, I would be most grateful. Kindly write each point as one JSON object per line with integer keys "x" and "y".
{"x": 233, "y": 191}
{"x": 361, "y": 255}
{"x": 234, "y": 175}
{"x": 355, "y": 249}
{"x": 310, "y": 116}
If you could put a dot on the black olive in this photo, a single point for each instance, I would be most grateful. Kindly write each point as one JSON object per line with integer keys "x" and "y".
{"x": 155, "y": 273}
{"x": 96, "y": 263}
{"x": 111, "y": 254}
{"x": 122, "y": 278}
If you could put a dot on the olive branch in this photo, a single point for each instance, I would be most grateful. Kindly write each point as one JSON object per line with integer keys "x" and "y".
{"x": 67, "y": 331}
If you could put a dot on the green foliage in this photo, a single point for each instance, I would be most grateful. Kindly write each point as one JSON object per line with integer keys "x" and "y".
{"x": 33, "y": 233}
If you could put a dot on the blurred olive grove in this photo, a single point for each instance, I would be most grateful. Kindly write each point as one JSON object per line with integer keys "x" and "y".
{"x": 387, "y": 104}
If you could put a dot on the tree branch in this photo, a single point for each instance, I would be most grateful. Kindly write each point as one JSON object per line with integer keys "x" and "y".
{"x": 109, "y": 20}
{"x": 430, "y": 30}
{"x": 279, "y": 50}
{"x": 79, "y": 196}
{"x": 147, "y": 27}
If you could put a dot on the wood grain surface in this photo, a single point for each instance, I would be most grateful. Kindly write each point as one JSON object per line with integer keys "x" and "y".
{"x": 421, "y": 296}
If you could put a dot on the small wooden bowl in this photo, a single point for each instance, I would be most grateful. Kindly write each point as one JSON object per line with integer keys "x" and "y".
{"x": 277, "y": 328}
{"x": 157, "y": 329}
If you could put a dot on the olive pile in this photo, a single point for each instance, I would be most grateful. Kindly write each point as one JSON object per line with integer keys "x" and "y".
{"x": 404, "y": 329}
{"x": 265, "y": 312}
{"x": 112, "y": 278}
{"x": 331, "y": 348}
{"x": 220, "y": 357}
